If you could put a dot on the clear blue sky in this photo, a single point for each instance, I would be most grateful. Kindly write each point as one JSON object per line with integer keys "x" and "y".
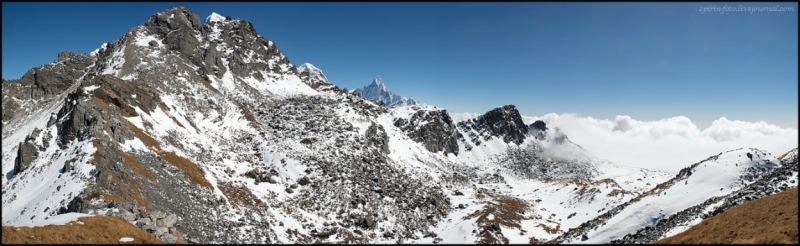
{"x": 646, "y": 60}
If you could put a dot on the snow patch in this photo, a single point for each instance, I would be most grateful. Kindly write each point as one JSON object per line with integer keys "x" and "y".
{"x": 214, "y": 17}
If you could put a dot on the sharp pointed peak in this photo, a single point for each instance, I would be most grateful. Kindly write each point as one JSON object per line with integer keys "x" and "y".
{"x": 378, "y": 81}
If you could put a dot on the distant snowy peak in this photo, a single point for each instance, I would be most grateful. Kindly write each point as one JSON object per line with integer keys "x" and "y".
{"x": 378, "y": 91}
{"x": 214, "y": 17}
{"x": 315, "y": 75}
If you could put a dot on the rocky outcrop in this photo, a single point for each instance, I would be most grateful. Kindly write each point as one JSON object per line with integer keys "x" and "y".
{"x": 313, "y": 76}
{"x": 262, "y": 175}
{"x": 433, "y": 128}
{"x": 538, "y": 128}
{"x": 26, "y": 153}
{"x": 82, "y": 120}
{"x": 43, "y": 84}
{"x": 377, "y": 136}
{"x": 504, "y": 122}
{"x": 539, "y": 125}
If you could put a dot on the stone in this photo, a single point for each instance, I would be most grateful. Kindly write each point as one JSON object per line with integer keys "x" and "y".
{"x": 170, "y": 220}
{"x": 168, "y": 238}
{"x": 150, "y": 228}
{"x": 160, "y": 231}
{"x": 127, "y": 215}
{"x": 303, "y": 181}
{"x": 145, "y": 221}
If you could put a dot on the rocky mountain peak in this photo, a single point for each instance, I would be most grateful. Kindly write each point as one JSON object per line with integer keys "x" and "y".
{"x": 312, "y": 75}
{"x": 214, "y": 17}
{"x": 378, "y": 82}
{"x": 378, "y": 91}
{"x": 505, "y": 122}
{"x": 175, "y": 18}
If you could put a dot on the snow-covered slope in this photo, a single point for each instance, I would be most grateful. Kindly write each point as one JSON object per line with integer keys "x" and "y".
{"x": 379, "y": 92}
{"x": 682, "y": 201}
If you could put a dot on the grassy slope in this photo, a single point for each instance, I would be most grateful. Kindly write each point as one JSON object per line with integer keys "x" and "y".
{"x": 94, "y": 230}
{"x": 769, "y": 220}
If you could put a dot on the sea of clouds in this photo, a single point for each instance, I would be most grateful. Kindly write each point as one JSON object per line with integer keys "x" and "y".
{"x": 667, "y": 144}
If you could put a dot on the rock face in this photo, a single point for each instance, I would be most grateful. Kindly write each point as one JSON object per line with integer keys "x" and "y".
{"x": 44, "y": 84}
{"x": 504, "y": 122}
{"x": 377, "y": 135}
{"x": 433, "y": 128}
{"x": 25, "y": 155}
{"x": 538, "y": 127}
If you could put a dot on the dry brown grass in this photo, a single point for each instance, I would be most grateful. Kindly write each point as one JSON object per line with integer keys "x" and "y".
{"x": 769, "y": 220}
{"x": 239, "y": 195}
{"x": 100, "y": 102}
{"x": 584, "y": 184}
{"x": 181, "y": 162}
{"x": 131, "y": 162}
{"x": 165, "y": 109}
{"x": 658, "y": 189}
{"x": 551, "y": 230}
{"x": 120, "y": 185}
{"x": 94, "y": 230}
{"x": 616, "y": 192}
{"x": 505, "y": 210}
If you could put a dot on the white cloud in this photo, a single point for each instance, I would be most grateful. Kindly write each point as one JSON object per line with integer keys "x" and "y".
{"x": 667, "y": 144}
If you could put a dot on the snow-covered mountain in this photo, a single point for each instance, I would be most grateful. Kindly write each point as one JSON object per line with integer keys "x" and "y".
{"x": 379, "y": 92}
{"x": 207, "y": 132}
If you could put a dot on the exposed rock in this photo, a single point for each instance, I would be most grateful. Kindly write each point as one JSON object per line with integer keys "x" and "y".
{"x": 161, "y": 231}
{"x": 127, "y": 215}
{"x": 539, "y": 125}
{"x": 260, "y": 175}
{"x": 168, "y": 238}
{"x": 167, "y": 221}
{"x": 377, "y": 135}
{"x": 303, "y": 181}
{"x": 26, "y": 153}
{"x": 504, "y": 122}
{"x": 433, "y": 128}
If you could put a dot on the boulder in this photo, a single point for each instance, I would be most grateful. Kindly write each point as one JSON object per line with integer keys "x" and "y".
{"x": 303, "y": 181}
{"x": 145, "y": 222}
{"x": 260, "y": 175}
{"x": 127, "y": 215}
{"x": 168, "y": 238}
{"x": 161, "y": 231}
{"x": 26, "y": 153}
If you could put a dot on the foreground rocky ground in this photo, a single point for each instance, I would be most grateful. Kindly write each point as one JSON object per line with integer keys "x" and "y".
{"x": 87, "y": 230}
